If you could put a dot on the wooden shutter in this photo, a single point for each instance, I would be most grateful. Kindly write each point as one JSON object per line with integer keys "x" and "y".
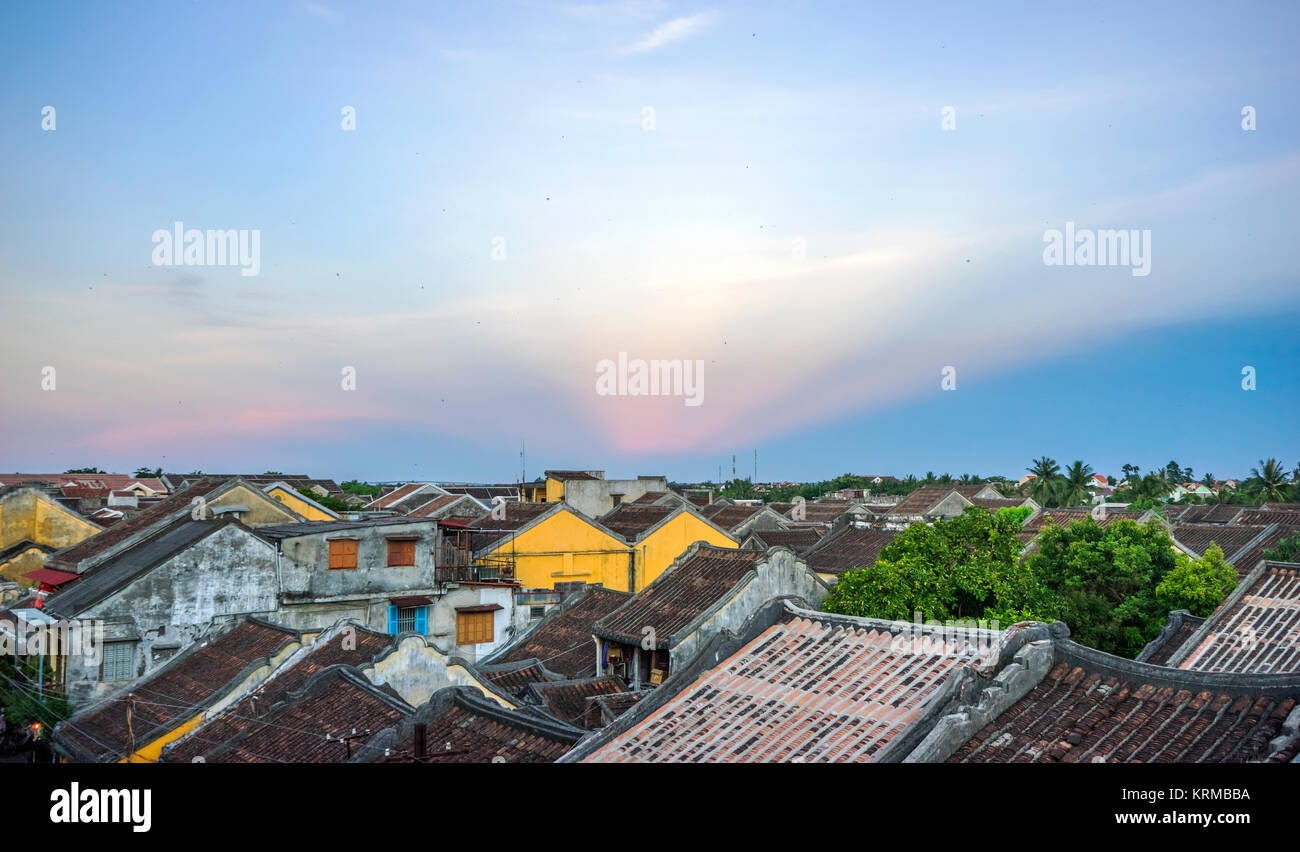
{"x": 474, "y": 627}
{"x": 401, "y": 552}
{"x": 392, "y": 621}
{"x": 343, "y": 553}
{"x": 422, "y": 620}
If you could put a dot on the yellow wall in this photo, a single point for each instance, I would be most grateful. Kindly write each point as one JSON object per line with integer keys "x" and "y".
{"x": 554, "y": 490}
{"x": 657, "y": 551}
{"x": 261, "y": 508}
{"x": 33, "y": 516}
{"x": 299, "y": 505}
{"x": 565, "y": 548}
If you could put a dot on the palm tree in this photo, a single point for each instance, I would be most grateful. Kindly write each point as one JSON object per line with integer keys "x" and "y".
{"x": 1130, "y": 473}
{"x": 1074, "y": 488}
{"x": 1268, "y": 481}
{"x": 1046, "y": 473}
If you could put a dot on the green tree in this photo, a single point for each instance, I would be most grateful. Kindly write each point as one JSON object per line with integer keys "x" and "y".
{"x": 364, "y": 489}
{"x": 1268, "y": 482}
{"x": 1075, "y": 485}
{"x": 1197, "y": 585}
{"x": 1102, "y": 581}
{"x": 1287, "y": 550}
{"x": 1046, "y": 482}
{"x": 963, "y": 568}
{"x": 85, "y": 470}
{"x": 739, "y": 489}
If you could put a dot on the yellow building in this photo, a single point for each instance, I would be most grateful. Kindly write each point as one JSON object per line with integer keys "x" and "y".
{"x": 300, "y": 503}
{"x": 658, "y": 535}
{"x": 549, "y": 543}
{"x": 32, "y": 525}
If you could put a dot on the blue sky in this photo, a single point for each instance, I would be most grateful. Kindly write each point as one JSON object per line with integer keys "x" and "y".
{"x": 795, "y": 217}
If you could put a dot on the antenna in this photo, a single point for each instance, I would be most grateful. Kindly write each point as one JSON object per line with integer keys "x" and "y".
{"x": 756, "y": 465}
{"x": 523, "y": 467}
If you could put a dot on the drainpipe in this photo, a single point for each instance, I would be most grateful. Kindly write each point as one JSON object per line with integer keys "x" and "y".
{"x": 279, "y": 576}
{"x": 599, "y": 669}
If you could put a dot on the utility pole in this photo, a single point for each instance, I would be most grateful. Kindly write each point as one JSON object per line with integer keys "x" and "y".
{"x": 733, "y": 465}
{"x": 130, "y": 726}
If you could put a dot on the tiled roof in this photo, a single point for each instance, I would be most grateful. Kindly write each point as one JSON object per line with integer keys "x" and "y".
{"x": 995, "y": 503}
{"x": 356, "y": 648}
{"x": 1197, "y": 537}
{"x": 798, "y": 539}
{"x": 438, "y": 503}
{"x": 69, "y": 558}
{"x": 306, "y": 727}
{"x": 1247, "y": 560}
{"x": 515, "y": 678}
{"x": 649, "y": 498}
{"x": 401, "y": 492}
{"x": 921, "y": 501}
{"x": 562, "y": 641}
{"x": 827, "y": 512}
{"x": 807, "y": 690}
{"x": 84, "y": 484}
{"x": 115, "y": 573}
{"x": 1064, "y": 516}
{"x": 679, "y": 595}
{"x": 1180, "y": 627}
{"x": 1282, "y": 507}
{"x": 484, "y": 493}
{"x": 567, "y": 700}
{"x": 730, "y": 517}
{"x": 1256, "y": 631}
{"x": 174, "y": 693}
{"x": 1268, "y": 516}
{"x": 631, "y": 520}
{"x": 601, "y": 708}
{"x": 462, "y": 726}
{"x": 1081, "y": 712}
{"x": 849, "y": 548}
{"x": 1222, "y": 514}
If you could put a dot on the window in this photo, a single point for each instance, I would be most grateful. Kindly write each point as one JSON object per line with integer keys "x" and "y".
{"x": 473, "y": 627}
{"x": 535, "y": 612}
{"x": 404, "y": 619}
{"x": 343, "y": 553}
{"x": 119, "y": 661}
{"x": 401, "y": 552}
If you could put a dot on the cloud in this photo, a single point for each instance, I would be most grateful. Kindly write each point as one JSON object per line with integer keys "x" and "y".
{"x": 672, "y": 31}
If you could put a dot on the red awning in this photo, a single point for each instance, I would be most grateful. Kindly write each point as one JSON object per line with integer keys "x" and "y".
{"x": 50, "y": 577}
{"x": 480, "y": 608}
{"x": 412, "y": 601}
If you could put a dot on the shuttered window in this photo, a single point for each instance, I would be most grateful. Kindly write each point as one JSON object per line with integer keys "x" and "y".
{"x": 119, "y": 661}
{"x": 473, "y": 627}
{"x": 343, "y": 553}
{"x": 403, "y": 619}
{"x": 401, "y": 553}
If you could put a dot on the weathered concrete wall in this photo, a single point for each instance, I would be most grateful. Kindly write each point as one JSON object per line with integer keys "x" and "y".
{"x": 29, "y": 514}
{"x": 592, "y": 496}
{"x": 214, "y": 581}
{"x": 442, "y": 620}
{"x": 416, "y": 670}
{"x": 308, "y": 577}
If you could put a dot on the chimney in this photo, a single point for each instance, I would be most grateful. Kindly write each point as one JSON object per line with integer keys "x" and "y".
{"x": 418, "y": 745}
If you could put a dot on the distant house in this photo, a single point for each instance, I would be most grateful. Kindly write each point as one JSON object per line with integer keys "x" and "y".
{"x": 847, "y": 548}
{"x": 301, "y": 503}
{"x": 543, "y": 545}
{"x": 32, "y": 526}
{"x": 593, "y": 495}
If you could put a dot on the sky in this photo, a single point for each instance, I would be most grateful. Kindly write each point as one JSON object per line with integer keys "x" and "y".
{"x": 837, "y": 211}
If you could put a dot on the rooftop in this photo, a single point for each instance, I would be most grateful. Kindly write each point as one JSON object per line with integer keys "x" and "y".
{"x": 849, "y": 548}
{"x": 810, "y": 688}
{"x": 679, "y": 595}
{"x": 1257, "y": 629}
{"x": 562, "y": 640}
{"x": 173, "y": 694}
